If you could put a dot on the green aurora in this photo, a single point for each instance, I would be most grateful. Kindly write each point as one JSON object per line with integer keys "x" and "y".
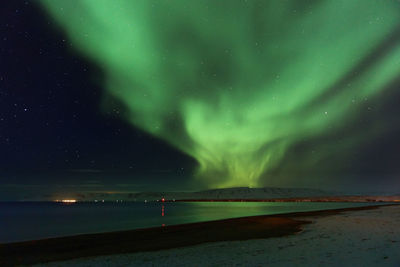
{"x": 235, "y": 84}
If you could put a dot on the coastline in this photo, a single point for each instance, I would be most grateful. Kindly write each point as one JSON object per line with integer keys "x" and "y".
{"x": 357, "y": 199}
{"x": 159, "y": 238}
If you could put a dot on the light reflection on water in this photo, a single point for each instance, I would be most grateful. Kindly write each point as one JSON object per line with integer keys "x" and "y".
{"x": 30, "y": 220}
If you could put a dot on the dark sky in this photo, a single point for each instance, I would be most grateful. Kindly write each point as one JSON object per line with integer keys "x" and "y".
{"x": 55, "y": 136}
{"x": 52, "y": 130}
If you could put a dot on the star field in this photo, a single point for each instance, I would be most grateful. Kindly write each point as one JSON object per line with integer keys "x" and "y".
{"x": 96, "y": 95}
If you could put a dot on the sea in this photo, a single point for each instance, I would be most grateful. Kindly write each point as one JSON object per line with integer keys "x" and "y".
{"x": 23, "y": 221}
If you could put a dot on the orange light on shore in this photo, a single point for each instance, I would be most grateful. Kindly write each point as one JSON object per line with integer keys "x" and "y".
{"x": 66, "y": 200}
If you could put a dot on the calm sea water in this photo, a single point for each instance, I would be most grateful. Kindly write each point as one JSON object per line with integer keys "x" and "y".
{"x": 38, "y": 220}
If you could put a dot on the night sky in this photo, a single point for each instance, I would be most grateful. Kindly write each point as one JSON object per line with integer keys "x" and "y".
{"x": 175, "y": 95}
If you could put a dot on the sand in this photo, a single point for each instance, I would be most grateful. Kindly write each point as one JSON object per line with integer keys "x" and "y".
{"x": 150, "y": 239}
{"x": 352, "y": 238}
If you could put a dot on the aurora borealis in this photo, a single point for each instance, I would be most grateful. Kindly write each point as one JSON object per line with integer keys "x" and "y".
{"x": 237, "y": 84}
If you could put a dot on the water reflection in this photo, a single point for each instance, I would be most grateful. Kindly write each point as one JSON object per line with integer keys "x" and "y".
{"x": 162, "y": 213}
{"x": 48, "y": 219}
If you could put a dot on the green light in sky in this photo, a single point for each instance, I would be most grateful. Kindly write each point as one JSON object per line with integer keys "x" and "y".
{"x": 234, "y": 83}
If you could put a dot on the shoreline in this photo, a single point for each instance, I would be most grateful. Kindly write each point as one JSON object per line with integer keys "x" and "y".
{"x": 159, "y": 238}
{"x": 344, "y": 199}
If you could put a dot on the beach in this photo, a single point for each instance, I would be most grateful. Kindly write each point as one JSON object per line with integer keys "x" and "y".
{"x": 367, "y": 236}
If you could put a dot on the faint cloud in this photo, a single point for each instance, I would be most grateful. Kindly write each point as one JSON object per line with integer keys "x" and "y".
{"x": 162, "y": 171}
{"x": 130, "y": 185}
{"x": 86, "y": 170}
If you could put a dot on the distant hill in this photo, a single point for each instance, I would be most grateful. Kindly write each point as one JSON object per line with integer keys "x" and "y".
{"x": 226, "y": 193}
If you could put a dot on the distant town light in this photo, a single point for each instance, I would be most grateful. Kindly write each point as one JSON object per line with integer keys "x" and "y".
{"x": 66, "y": 200}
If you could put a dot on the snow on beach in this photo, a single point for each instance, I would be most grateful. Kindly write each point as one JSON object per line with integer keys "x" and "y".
{"x": 354, "y": 238}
